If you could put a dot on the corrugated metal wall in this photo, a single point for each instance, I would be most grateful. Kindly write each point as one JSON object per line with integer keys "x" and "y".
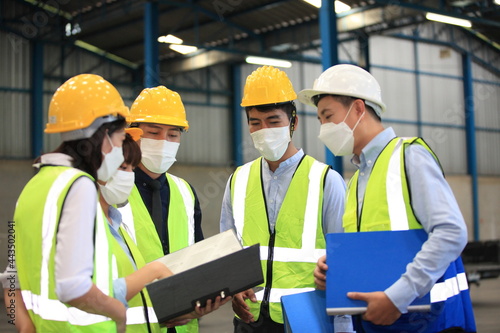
{"x": 421, "y": 85}
{"x": 15, "y": 88}
{"x": 15, "y": 81}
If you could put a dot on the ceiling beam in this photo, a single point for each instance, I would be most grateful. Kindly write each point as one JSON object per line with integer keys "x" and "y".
{"x": 439, "y": 11}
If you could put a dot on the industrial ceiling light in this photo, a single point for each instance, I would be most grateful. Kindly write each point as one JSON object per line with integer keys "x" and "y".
{"x": 268, "y": 62}
{"x": 497, "y": 2}
{"x": 339, "y": 5}
{"x": 183, "y": 49}
{"x": 448, "y": 20}
{"x": 170, "y": 39}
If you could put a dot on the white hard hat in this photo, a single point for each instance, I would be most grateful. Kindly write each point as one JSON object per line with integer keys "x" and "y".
{"x": 346, "y": 80}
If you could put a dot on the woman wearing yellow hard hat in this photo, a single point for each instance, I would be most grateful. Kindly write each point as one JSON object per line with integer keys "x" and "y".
{"x": 63, "y": 251}
{"x": 65, "y": 248}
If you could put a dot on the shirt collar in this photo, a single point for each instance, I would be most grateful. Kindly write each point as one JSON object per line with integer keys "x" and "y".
{"x": 59, "y": 159}
{"x": 373, "y": 149}
{"x": 116, "y": 217}
{"x": 291, "y": 161}
{"x": 143, "y": 178}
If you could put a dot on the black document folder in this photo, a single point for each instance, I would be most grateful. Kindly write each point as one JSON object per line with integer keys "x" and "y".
{"x": 230, "y": 274}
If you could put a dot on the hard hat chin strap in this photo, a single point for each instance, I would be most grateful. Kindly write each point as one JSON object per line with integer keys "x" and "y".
{"x": 292, "y": 122}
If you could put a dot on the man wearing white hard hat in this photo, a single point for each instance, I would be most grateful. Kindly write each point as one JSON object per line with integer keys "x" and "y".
{"x": 350, "y": 108}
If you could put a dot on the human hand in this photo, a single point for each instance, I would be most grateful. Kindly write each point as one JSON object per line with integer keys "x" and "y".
{"x": 211, "y": 306}
{"x": 320, "y": 273}
{"x": 241, "y": 308}
{"x": 380, "y": 309}
{"x": 198, "y": 312}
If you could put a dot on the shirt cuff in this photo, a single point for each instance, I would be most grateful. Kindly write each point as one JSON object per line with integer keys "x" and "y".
{"x": 401, "y": 294}
{"x": 120, "y": 290}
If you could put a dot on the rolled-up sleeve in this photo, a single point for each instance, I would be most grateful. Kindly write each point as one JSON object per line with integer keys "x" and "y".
{"x": 74, "y": 258}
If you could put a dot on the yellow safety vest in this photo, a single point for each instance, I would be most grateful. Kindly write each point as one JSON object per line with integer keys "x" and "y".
{"x": 140, "y": 312}
{"x": 180, "y": 222}
{"x": 392, "y": 211}
{"x": 289, "y": 255}
{"x": 37, "y": 224}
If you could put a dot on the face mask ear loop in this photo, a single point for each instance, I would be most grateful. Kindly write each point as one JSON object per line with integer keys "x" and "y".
{"x": 110, "y": 142}
{"x": 358, "y": 121}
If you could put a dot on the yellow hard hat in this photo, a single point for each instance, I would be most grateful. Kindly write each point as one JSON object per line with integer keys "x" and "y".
{"x": 267, "y": 85}
{"x": 79, "y": 105}
{"x": 158, "y": 105}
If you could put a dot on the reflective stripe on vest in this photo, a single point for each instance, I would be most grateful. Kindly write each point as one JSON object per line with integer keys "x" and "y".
{"x": 135, "y": 316}
{"x": 308, "y": 249}
{"x": 52, "y": 309}
{"x": 277, "y": 293}
{"x": 449, "y": 288}
{"x": 401, "y": 216}
{"x": 136, "y": 319}
{"x": 301, "y": 209}
{"x": 394, "y": 191}
{"x": 128, "y": 220}
{"x": 186, "y": 200}
{"x": 292, "y": 255}
{"x": 138, "y": 223}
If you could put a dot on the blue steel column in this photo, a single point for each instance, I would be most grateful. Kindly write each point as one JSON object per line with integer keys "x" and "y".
{"x": 37, "y": 99}
{"x": 330, "y": 57}
{"x": 417, "y": 82}
{"x": 470, "y": 133}
{"x": 237, "y": 114}
{"x": 364, "y": 52}
{"x": 151, "y": 49}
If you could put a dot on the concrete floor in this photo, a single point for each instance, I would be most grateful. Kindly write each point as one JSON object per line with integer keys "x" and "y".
{"x": 210, "y": 184}
{"x": 485, "y": 299}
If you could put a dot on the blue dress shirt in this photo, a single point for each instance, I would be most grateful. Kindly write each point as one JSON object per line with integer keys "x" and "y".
{"x": 434, "y": 206}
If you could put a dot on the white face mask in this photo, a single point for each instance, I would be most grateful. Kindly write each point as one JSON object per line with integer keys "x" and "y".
{"x": 339, "y": 138}
{"x": 110, "y": 163}
{"x": 271, "y": 142}
{"x": 158, "y": 155}
{"x": 118, "y": 188}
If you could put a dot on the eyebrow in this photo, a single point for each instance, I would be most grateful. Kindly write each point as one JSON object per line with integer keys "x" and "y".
{"x": 153, "y": 126}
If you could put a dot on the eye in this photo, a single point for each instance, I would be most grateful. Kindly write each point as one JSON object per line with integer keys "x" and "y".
{"x": 152, "y": 132}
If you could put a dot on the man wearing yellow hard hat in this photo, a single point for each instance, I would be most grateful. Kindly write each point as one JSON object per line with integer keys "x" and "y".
{"x": 284, "y": 200}
{"x": 163, "y": 214}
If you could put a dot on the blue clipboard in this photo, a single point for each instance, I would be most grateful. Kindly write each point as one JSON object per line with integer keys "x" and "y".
{"x": 305, "y": 312}
{"x": 366, "y": 262}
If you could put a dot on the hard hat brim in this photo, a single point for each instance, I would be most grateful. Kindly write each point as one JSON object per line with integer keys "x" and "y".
{"x": 305, "y": 97}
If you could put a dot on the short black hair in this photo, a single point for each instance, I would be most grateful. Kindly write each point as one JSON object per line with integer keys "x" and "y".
{"x": 288, "y": 107}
